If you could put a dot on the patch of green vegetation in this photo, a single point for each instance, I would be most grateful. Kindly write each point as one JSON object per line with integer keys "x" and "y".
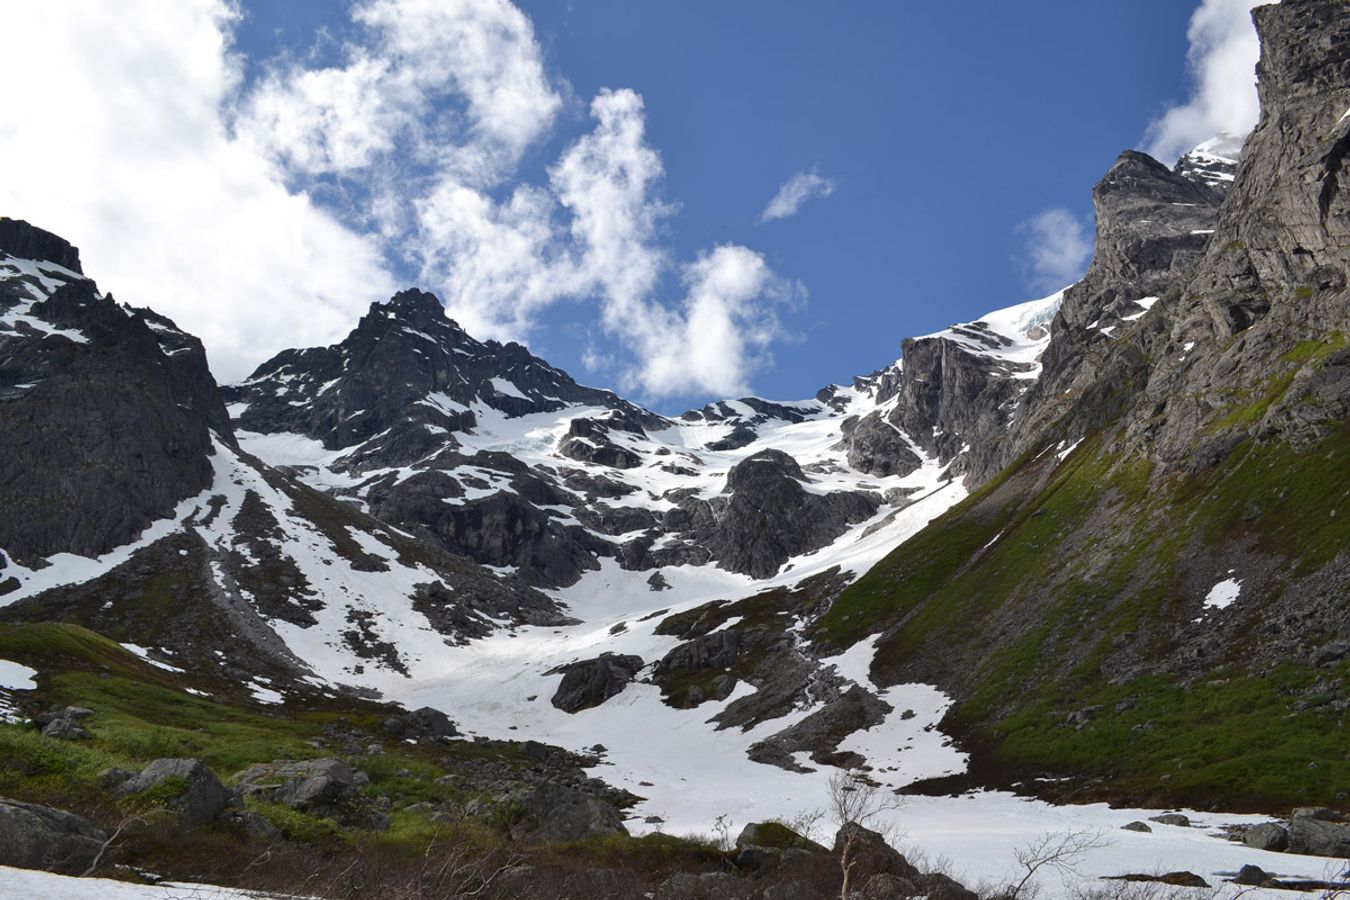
{"x": 1304, "y": 293}
{"x": 1253, "y": 411}
{"x": 158, "y": 797}
{"x": 1052, "y": 581}
{"x": 1316, "y": 351}
{"x": 1296, "y": 503}
{"x": 1236, "y": 738}
{"x": 304, "y": 827}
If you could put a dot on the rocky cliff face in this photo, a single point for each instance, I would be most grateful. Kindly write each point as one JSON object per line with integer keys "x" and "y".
{"x": 130, "y": 508}
{"x": 405, "y": 375}
{"x": 70, "y": 430}
{"x": 1171, "y": 513}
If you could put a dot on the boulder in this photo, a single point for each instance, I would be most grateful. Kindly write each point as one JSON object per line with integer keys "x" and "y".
{"x": 430, "y": 723}
{"x": 1252, "y": 876}
{"x": 65, "y": 730}
{"x": 1318, "y": 837}
{"x": 703, "y": 886}
{"x": 196, "y": 793}
{"x": 1176, "y": 819}
{"x": 776, "y": 836}
{"x": 870, "y": 855}
{"x": 752, "y": 859}
{"x": 39, "y": 837}
{"x": 1267, "y": 836}
{"x": 554, "y": 813}
{"x": 64, "y": 724}
{"x": 1137, "y": 826}
{"x": 325, "y": 787}
{"x": 1324, "y": 813}
{"x": 941, "y": 887}
{"x": 888, "y": 887}
{"x": 589, "y": 683}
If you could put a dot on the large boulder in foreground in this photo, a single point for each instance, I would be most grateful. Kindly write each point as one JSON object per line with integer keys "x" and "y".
{"x": 553, "y": 813}
{"x": 191, "y": 789}
{"x": 1311, "y": 832}
{"x": 39, "y": 837}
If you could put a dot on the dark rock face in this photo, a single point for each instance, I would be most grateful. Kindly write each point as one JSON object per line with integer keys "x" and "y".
{"x": 588, "y": 440}
{"x": 24, "y": 241}
{"x": 1271, "y": 273}
{"x": 1152, "y": 226}
{"x": 1318, "y": 837}
{"x": 877, "y": 447}
{"x": 1267, "y": 836}
{"x": 39, "y": 837}
{"x": 507, "y": 530}
{"x": 106, "y": 420}
{"x": 408, "y": 368}
{"x": 553, "y": 813}
{"x": 591, "y": 682}
{"x": 202, "y": 798}
{"x": 766, "y": 515}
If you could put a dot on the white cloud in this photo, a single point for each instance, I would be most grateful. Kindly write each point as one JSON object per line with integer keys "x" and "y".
{"x": 116, "y": 141}
{"x": 596, "y": 233}
{"x": 460, "y": 85}
{"x": 235, "y": 210}
{"x": 802, "y": 186}
{"x": 721, "y": 332}
{"x": 1221, "y": 62}
{"x": 1056, "y": 248}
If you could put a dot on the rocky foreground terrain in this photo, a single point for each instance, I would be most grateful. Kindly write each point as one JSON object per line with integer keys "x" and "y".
{"x": 417, "y": 596}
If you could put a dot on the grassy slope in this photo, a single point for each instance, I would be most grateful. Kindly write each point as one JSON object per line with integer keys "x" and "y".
{"x": 143, "y": 712}
{"x": 1056, "y": 570}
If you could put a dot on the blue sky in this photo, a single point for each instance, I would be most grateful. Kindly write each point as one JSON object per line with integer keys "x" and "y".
{"x": 629, "y": 181}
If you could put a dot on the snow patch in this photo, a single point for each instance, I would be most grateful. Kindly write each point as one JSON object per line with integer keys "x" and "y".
{"x": 502, "y": 386}
{"x": 1222, "y": 595}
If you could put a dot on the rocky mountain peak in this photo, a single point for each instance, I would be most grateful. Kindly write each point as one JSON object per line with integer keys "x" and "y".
{"x": 24, "y": 241}
{"x": 1212, "y": 163}
{"x": 411, "y": 307}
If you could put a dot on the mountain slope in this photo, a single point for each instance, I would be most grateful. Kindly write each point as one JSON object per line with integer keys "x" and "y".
{"x": 1153, "y": 594}
{"x": 131, "y": 509}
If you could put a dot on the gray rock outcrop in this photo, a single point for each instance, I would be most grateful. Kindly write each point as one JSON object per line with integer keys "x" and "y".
{"x": 198, "y": 796}
{"x": 589, "y": 683}
{"x": 39, "y": 837}
{"x": 70, "y": 429}
{"x": 554, "y": 813}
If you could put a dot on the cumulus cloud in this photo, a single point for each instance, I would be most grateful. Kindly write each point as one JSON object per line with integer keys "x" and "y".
{"x": 270, "y": 215}
{"x": 595, "y": 232}
{"x": 119, "y": 144}
{"x": 1221, "y": 62}
{"x": 457, "y": 85}
{"x": 1056, "y": 249}
{"x": 802, "y": 186}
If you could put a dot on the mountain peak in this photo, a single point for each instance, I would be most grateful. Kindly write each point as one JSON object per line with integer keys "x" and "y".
{"x": 25, "y": 241}
{"x": 1213, "y": 162}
